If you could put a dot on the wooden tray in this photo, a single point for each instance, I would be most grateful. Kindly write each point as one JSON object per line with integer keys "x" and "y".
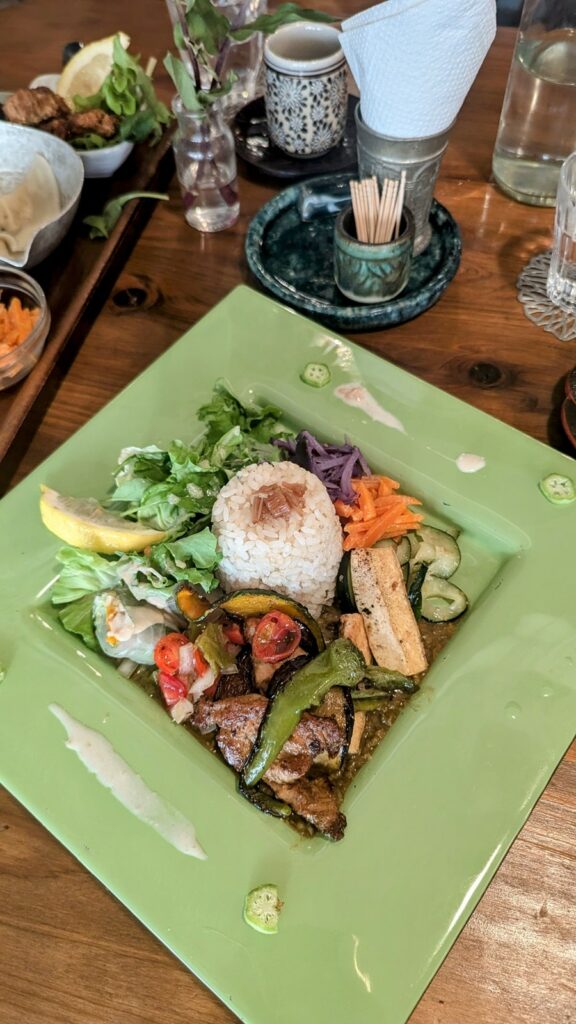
{"x": 77, "y": 273}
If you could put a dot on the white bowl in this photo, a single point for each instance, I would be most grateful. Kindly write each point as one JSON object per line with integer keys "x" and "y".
{"x": 98, "y": 163}
{"x": 18, "y": 147}
{"x": 101, "y": 163}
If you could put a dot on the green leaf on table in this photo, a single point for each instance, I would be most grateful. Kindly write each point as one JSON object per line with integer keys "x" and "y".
{"x": 102, "y": 224}
{"x": 283, "y": 15}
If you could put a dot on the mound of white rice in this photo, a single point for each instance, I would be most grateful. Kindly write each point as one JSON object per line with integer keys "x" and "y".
{"x": 298, "y": 555}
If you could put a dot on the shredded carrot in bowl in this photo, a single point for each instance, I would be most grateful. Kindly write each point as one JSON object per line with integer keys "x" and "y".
{"x": 380, "y": 512}
{"x": 16, "y": 323}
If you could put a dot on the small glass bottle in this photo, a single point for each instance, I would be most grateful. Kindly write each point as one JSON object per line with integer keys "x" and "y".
{"x": 538, "y": 122}
{"x": 206, "y": 167}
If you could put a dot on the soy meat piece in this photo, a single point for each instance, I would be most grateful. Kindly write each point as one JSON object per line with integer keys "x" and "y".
{"x": 33, "y": 106}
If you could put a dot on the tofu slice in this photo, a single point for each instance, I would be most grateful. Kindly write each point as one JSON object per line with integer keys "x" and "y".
{"x": 352, "y": 628}
{"x": 357, "y": 731}
{"x": 382, "y": 601}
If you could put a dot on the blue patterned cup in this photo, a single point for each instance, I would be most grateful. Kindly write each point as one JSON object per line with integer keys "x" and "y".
{"x": 306, "y": 93}
{"x": 368, "y": 272}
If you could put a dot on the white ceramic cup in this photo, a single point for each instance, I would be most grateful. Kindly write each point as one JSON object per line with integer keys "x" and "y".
{"x": 306, "y": 93}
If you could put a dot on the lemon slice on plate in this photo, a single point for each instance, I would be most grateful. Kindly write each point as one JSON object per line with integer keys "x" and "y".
{"x": 83, "y": 523}
{"x": 85, "y": 72}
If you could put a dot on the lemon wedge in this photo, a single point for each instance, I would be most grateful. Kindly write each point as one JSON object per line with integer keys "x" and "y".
{"x": 83, "y": 523}
{"x": 85, "y": 72}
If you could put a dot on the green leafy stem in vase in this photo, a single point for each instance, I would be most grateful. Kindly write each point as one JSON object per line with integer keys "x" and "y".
{"x": 205, "y": 35}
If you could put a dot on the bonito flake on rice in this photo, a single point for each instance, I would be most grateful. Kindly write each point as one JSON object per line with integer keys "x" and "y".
{"x": 293, "y": 546}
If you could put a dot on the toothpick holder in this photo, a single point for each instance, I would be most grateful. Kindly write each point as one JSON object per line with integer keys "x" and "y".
{"x": 368, "y": 272}
{"x": 419, "y": 158}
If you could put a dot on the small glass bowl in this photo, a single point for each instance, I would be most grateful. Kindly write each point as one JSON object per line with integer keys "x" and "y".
{"x": 17, "y": 363}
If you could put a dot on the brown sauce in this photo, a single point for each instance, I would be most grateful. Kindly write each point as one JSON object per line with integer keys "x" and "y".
{"x": 435, "y": 636}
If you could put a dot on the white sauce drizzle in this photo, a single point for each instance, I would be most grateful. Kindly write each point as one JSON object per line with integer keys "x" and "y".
{"x": 359, "y": 396}
{"x": 100, "y": 758}
{"x": 468, "y": 463}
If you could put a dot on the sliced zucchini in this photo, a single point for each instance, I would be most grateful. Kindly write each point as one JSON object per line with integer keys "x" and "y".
{"x": 438, "y": 550}
{"x": 414, "y": 588}
{"x": 442, "y": 601}
{"x": 402, "y": 548}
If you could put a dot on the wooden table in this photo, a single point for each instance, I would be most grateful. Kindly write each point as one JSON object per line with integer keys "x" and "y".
{"x": 70, "y": 953}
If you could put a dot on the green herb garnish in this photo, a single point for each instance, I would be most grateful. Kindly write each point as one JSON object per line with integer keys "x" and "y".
{"x": 102, "y": 224}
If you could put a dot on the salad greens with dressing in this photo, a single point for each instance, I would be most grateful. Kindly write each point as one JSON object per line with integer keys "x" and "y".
{"x": 122, "y": 603}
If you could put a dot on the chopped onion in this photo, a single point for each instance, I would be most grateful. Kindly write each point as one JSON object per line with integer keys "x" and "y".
{"x": 186, "y": 660}
{"x": 127, "y": 667}
{"x": 181, "y": 710}
{"x": 203, "y": 683}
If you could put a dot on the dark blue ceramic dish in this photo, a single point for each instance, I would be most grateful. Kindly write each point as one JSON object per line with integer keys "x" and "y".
{"x": 253, "y": 145}
{"x": 292, "y": 259}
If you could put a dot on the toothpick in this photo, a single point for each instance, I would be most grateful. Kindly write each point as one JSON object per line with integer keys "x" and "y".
{"x": 391, "y": 210}
{"x": 400, "y": 204}
{"x": 381, "y": 211}
{"x": 358, "y": 208}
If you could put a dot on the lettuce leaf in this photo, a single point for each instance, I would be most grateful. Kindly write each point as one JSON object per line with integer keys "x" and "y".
{"x": 76, "y": 618}
{"x": 128, "y": 92}
{"x": 81, "y": 573}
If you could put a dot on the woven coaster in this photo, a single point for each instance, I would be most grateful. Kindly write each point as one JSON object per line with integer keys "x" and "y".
{"x": 532, "y": 294}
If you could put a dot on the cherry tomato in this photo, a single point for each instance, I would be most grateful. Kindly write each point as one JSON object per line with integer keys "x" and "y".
{"x": 277, "y": 636}
{"x": 233, "y": 633}
{"x": 167, "y": 652}
{"x": 173, "y": 688}
{"x": 199, "y": 662}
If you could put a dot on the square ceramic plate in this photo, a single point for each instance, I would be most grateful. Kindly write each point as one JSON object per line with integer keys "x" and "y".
{"x": 366, "y": 921}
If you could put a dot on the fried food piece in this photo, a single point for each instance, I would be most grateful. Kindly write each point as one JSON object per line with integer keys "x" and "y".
{"x": 33, "y": 106}
{"x": 96, "y": 122}
{"x": 57, "y": 126}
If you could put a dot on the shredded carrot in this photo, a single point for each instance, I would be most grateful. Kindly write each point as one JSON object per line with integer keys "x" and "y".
{"x": 379, "y": 514}
{"x": 16, "y": 322}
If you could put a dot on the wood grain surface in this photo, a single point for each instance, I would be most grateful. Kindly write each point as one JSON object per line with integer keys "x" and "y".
{"x": 69, "y": 952}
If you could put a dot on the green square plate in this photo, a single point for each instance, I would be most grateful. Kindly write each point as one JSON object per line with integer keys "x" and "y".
{"x": 366, "y": 921}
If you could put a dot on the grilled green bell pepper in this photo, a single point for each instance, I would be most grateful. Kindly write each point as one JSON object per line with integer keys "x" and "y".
{"x": 341, "y": 664}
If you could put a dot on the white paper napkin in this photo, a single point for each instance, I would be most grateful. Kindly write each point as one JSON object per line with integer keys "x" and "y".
{"x": 414, "y": 61}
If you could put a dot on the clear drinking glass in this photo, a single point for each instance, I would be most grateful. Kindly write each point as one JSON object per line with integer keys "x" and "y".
{"x": 206, "y": 166}
{"x": 562, "y": 276}
{"x": 538, "y": 121}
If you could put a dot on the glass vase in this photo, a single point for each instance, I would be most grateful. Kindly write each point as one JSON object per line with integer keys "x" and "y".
{"x": 206, "y": 167}
{"x": 244, "y": 59}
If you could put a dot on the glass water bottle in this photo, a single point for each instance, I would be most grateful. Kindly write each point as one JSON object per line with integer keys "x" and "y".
{"x": 537, "y": 129}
